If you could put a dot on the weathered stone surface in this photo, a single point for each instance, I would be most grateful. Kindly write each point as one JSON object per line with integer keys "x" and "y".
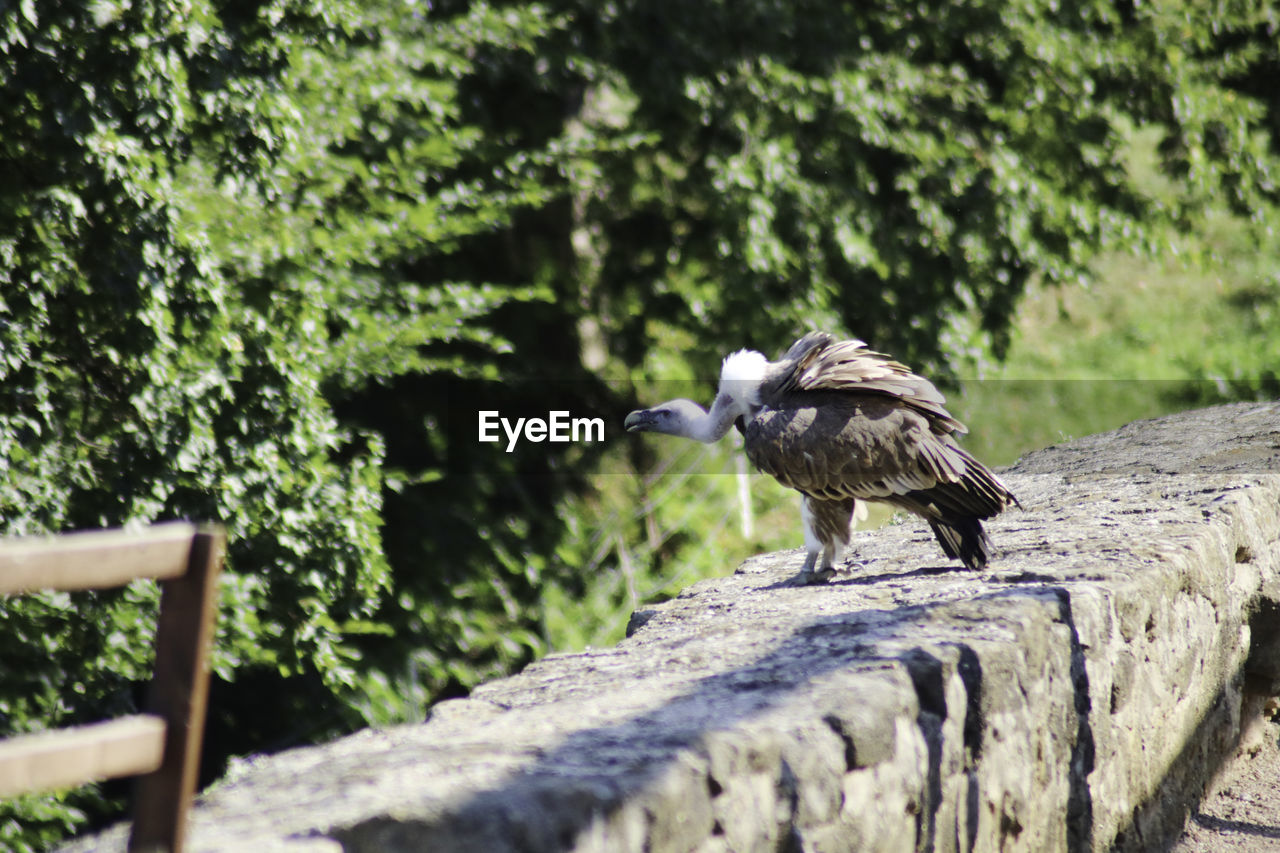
{"x": 1076, "y": 696}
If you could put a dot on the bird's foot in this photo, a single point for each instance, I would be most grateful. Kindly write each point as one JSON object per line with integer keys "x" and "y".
{"x": 810, "y": 577}
{"x": 852, "y": 567}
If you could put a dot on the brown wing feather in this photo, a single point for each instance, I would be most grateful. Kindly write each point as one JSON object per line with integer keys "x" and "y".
{"x": 837, "y": 446}
{"x": 818, "y": 362}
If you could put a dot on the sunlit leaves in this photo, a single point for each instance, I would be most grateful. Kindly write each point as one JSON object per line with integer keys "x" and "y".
{"x": 140, "y": 378}
{"x": 900, "y": 164}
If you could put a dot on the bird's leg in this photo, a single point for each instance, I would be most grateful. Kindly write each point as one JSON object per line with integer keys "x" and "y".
{"x": 813, "y": 546}
{"x": 825, "y": 571}
{"x": 831, "y": 554}
{"x": 809, "y": 574}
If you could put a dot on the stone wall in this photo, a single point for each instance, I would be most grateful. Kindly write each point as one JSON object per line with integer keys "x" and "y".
{"x": 1077, "y": 695}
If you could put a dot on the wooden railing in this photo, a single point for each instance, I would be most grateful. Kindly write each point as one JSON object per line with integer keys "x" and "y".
{"x": 162, "y": 746}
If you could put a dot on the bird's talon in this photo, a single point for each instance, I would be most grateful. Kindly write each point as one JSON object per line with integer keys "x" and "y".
{"x": 812, "y": 578}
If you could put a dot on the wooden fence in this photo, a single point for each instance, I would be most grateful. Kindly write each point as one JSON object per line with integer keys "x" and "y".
{"x": 162, "y": 746}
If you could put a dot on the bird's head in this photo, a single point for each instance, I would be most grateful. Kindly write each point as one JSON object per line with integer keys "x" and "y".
{"x": 737, "y": 399}
{"x": 676, "y": 417}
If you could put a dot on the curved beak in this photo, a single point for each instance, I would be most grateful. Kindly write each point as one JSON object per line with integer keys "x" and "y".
{"x": 638, "y": 421}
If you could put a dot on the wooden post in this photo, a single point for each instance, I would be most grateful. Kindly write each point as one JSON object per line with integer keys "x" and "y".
{"x": 180, "y": 694}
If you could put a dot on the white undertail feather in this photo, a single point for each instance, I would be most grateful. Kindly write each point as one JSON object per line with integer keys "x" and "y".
{"x": 861, "y": 509}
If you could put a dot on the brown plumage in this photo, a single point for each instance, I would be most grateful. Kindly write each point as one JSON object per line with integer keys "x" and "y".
{"x": 840, "y": 423}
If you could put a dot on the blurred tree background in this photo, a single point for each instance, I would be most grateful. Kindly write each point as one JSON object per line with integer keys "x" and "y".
{"x": 263, "y": 261}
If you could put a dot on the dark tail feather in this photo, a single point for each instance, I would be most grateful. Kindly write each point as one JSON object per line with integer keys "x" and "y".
{"x": 963, "y": 538}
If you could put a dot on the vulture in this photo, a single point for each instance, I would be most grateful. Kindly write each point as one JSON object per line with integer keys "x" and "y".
{"x": 840, "y": 423}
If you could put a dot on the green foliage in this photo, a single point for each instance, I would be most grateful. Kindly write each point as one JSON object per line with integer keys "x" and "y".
{"x": 34, "y": 822}
{"x": 894, "y": 169}
{"x": 139, "y": 382}
{"x": 264, "y": 262}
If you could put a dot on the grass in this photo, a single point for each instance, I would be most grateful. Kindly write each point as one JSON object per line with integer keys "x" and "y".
{"x": 1148, "y": 337}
